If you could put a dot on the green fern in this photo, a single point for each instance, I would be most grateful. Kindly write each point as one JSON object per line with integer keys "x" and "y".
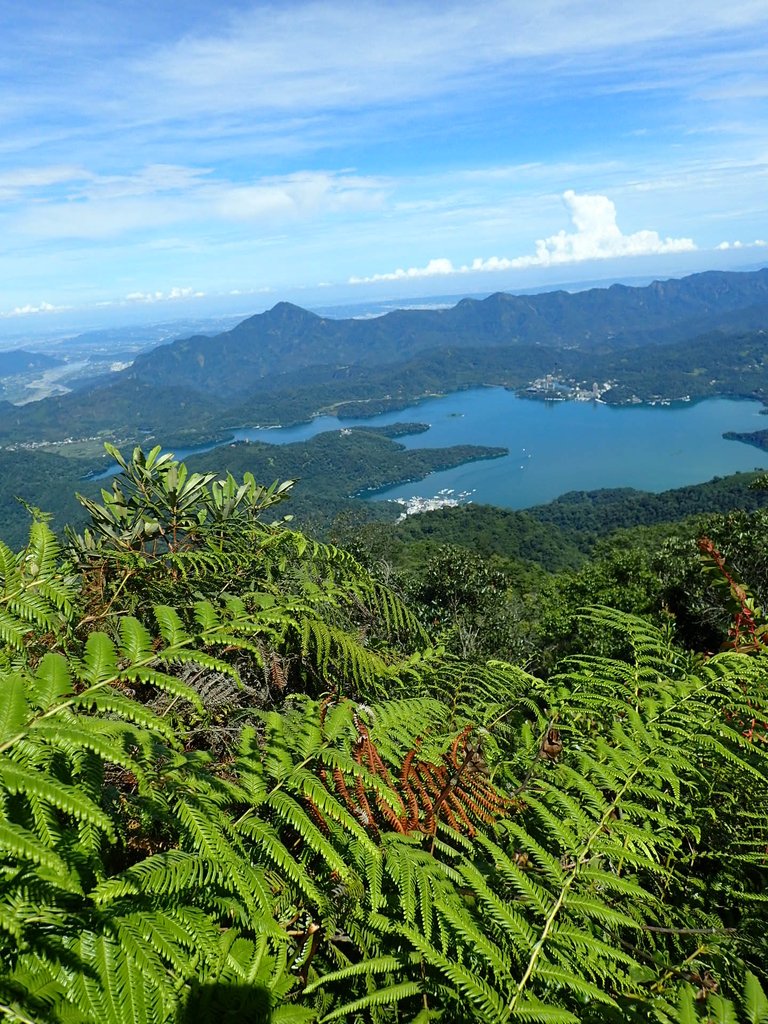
{"x": 304, "y": 869}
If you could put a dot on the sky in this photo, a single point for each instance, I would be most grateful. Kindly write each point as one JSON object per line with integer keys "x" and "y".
{"x": 231, "y": 155}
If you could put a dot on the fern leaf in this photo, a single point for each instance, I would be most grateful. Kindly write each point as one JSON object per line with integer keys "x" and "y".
{"x": 112, "y": 702}
{"x": 52, "y": 680}
{"x": 20, "y": 843}
{"x": 13, "y": 706}
{"x": 387, "y": 964}
{"x": 108, "y": 740}
{"x": 379, "y": 997}
{"x": 541, "y": 1013}
{"x": 269, "y": 846}
{"x": 100, "y": 662}
{"x": 171, "y": 627}
{"x": 135, "y": 640}
{"x": 561, "y": 978}
{"x": 287, "y": 1014}
{"x": 485, "y": 1001}
{"x": 755, "y": 1001}
{"x": 65, "y": 798}
{"x": 288, "y": 810}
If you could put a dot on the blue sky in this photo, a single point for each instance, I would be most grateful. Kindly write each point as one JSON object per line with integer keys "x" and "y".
{"x": 174, "y": 157}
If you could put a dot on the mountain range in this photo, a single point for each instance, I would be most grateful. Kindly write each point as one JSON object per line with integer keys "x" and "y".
{"x": 287, "y": 338}
{"x": 286, "y": 364}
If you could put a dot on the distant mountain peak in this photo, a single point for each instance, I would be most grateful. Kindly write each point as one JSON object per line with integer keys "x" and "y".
{"x": 288, "y": 310}
{"x": 281, "y": 315}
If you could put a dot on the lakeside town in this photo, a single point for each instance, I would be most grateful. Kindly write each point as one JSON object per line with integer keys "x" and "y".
{"x": 550, "y": 388}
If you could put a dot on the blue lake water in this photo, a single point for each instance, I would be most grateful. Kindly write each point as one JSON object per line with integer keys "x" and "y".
{"x": 560, "y": 446}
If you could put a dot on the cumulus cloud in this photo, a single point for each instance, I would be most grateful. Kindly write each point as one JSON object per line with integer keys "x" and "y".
{"x": 597, "y": 236}
{"x": 759, "y": 243}
{"x": 434, "y": 268}
{"x": 174, "y": 293}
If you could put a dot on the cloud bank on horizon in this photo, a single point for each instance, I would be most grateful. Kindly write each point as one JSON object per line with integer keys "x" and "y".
{"x": 597, "y": 237}
{"x": 251, "y": 148}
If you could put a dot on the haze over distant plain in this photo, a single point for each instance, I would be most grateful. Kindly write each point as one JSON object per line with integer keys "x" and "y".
{"x": 173, "y": 161}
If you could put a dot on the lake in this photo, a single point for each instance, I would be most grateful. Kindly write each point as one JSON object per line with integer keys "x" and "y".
{"x": 560, "y": 446}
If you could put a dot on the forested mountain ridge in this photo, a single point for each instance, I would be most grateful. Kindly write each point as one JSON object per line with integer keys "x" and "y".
{"x": 288, "y": 337}
{"x": 138, "y": 406}
{"x": 134, "y": 408}
{"x": 287, "y": 364}
{"x": 566, "y": 532}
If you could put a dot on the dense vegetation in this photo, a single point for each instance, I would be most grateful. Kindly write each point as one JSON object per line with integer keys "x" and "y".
{"x": 562, "y": 533}
{"x": 333, "y": 468}
{"x": 758, "y": 438}
{"x": 246, "y": 777}
{"x": 40, "y": 479}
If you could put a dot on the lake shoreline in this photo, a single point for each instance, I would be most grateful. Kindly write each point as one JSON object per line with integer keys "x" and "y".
{"x": 553, "y": 447}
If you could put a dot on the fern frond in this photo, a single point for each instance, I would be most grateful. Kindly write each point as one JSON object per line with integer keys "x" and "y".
{"x": 388, "y": 996}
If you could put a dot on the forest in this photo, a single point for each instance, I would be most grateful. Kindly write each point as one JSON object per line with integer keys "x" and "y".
{"x": 334, "y": 468}
{"x": 392, "y": 775}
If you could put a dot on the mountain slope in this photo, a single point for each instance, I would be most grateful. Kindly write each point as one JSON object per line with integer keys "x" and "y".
{"x": 287, "y": 337}
{"x": 20, "y": 361}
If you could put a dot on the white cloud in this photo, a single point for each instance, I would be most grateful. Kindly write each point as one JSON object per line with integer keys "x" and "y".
{"x": 14, "y": 183}
{"x": 276, "y": 57}
{"x": 434, "y": 268}
{"x": 297, "y": 195}
{"x": 99, "y": 219}
{"x": 150, "y": 180}
{"x": 159, "y": 195}
{"x": 324, "y": 54}
{"x": 43, "y": 307}
{"x": 174, "y": 293}
{"x": 759, "y": 243}
{"x": 203, "y": 148}
{"x": 597, "y": 237}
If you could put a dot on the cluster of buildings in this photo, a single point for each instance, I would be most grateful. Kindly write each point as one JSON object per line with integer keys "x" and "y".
{"x": 28, "y": 446}
{"x": 446, "y": 498}
{"x": 552, "y": 389}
